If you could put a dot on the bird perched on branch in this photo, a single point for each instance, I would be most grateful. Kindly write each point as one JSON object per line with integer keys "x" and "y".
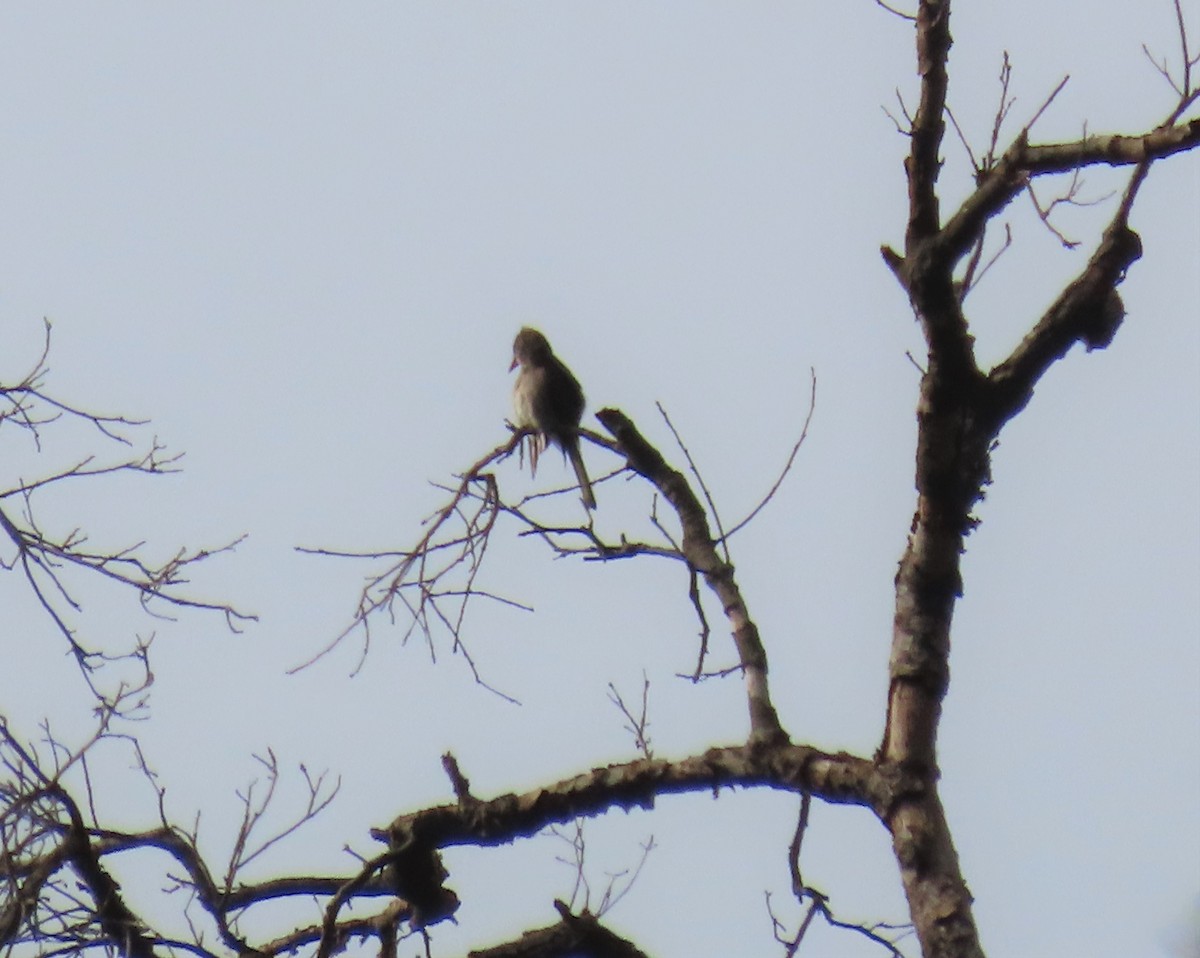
{"x": 547, "y": 398}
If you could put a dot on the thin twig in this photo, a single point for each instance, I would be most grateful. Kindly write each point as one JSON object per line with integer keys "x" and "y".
{"x": 900, "y": 13}
{"x": 712, "y": 506}
{"x": 787, "y": 466}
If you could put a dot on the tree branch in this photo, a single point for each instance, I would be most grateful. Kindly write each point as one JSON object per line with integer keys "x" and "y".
{"x": 699, "y": 549}
{"x": 1089, "y": 310}
{"x": 837, "y": 778}
{"x": 923, "y": 163}
{"x": 1021, "y": 162}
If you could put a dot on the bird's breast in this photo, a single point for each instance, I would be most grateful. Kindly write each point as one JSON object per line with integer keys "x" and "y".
{"x": 524, "y": 392}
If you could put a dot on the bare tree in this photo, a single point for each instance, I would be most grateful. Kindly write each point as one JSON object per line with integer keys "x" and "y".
{"x": 58, "y": 893}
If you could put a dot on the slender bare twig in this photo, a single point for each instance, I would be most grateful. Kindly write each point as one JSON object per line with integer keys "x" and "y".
{"x": 456, "y": 537}
{"x": 694, "y": 470}
{"x": 971, "y": 278}
{"x": 577, "y": 840}
{"x": 638, "y": 726}
{"x": 900, "y": 13}
{"x": 53, "y": 564}
{"x": 787, "y": 466}
{"x": 617, "y": 885}
{"x": 24, "y": 396}
{"x": 615, "y": 890}
{"x": 880, "y": 933}
{"x": 1046, "y": 103}
{"x": 432, "y": 583}
{"x": 987, "y": 163}
{"x": 962, "y": 138}
{"x": 253, "y": 811}
{"x": 1002, "y": 110}
{"x": 1183, "y": 85}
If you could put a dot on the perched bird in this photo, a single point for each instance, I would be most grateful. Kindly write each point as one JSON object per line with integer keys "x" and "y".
{"x": 548, "y": 398}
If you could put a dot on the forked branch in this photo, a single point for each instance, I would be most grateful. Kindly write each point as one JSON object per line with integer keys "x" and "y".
{"x": 54, "y": 565}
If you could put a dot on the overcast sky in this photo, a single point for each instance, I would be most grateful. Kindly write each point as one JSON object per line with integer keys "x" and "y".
{"x": 300, "y": 238}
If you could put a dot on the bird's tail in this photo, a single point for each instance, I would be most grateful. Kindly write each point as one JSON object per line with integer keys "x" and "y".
{"x": 585, "y": 484}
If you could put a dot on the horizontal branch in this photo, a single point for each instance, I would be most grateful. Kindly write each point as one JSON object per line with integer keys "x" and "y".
{"x": 1021, "y": 162}
{"x": 415, "y": 840}
{"x": 838, "y": 778}
{"x": 184, "y": 851}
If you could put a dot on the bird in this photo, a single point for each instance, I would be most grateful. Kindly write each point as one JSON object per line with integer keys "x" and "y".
{"x": 548, "y": 399}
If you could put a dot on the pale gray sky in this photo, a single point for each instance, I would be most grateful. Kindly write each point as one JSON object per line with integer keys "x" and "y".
{"x": 300, "y": 238}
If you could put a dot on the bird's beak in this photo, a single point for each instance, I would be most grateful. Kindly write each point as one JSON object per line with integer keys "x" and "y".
{"x": 513, "y": 364}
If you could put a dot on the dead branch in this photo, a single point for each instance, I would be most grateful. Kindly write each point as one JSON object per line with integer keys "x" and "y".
{"x": 837, "y": 778}
{"x": 50, "y": 845}
{"x": 22, "y": 401}
{"x": 49, "y": 562}
{"x": 431, "y": 583}
{"x": 415, "y": 838}
{"x": 960, "y": 413}
{"x": 454, "y": 543}
{"x": 1023, "y": 161}
{"x": 695, "y": 471}
{"x": 699, "y": 549}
